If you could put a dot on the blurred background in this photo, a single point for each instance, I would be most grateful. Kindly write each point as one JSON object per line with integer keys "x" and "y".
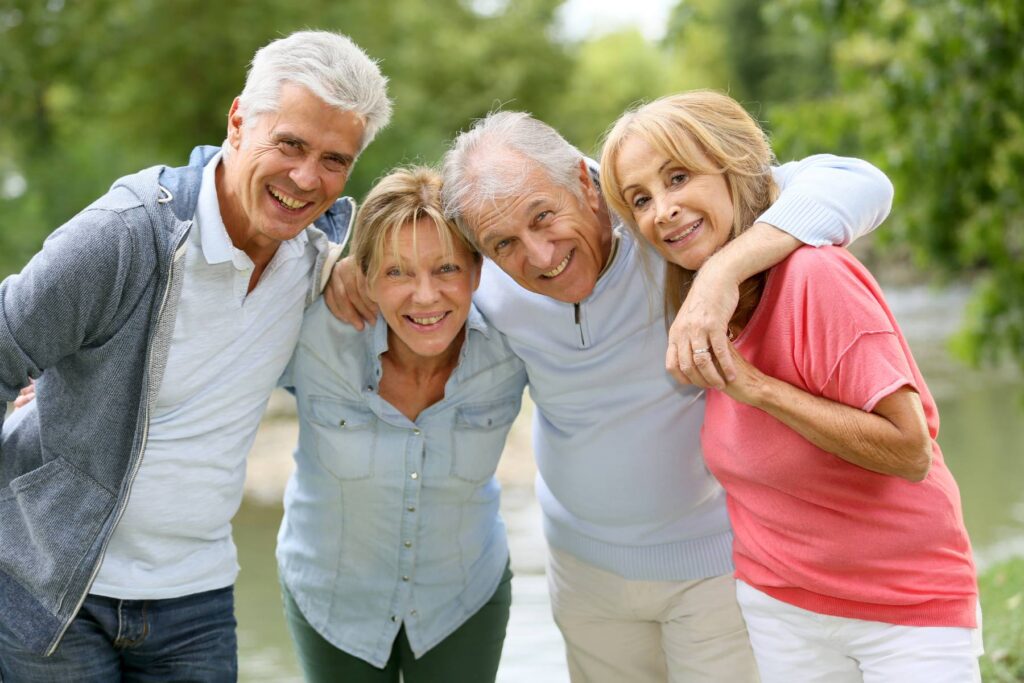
{"x": 932, "y": 92}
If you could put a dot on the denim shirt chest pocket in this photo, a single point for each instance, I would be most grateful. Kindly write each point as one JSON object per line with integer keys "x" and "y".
{"x": 344, "y": 436}
{"x": 478, "y": 437}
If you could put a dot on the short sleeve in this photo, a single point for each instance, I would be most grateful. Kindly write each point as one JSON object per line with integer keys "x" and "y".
{"x": 848, "y": 346}
{"x": 873, "y": 367}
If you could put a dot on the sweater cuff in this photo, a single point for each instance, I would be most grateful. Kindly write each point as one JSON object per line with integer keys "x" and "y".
{"x": 805, "y": 218}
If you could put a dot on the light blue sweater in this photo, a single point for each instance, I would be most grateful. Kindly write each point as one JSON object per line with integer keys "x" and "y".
{"x": 622, "y": 483}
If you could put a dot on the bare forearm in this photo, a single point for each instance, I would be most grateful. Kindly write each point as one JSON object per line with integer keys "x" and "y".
{"x": 755, "y": 250}
{"x": 896, "y": 446}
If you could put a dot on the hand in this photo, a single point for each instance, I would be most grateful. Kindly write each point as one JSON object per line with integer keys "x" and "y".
{"x": 698, "y": 340}
{"x": 748, "y": 384}
{"x": 348, "y": 296}
{"x": 27, "y": 395}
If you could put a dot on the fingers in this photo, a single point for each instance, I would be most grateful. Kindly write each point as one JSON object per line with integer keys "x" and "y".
{"x": 704, "y": 365}
{"x": 27, "y": 395}
{"x": 721, "y": 348}
{"x": 347, "y": 295}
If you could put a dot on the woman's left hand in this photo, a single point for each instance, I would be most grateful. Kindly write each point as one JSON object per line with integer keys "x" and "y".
{"x": 749, "y": 383}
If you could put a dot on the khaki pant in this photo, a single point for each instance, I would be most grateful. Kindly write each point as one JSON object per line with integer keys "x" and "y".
{"x": 617, "y": 630}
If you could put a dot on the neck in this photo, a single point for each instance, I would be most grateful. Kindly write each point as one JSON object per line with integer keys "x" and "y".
{"x": 259, "y": 248}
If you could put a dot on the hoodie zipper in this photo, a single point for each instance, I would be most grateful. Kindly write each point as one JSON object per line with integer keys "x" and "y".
{"x": 178, "y": 251}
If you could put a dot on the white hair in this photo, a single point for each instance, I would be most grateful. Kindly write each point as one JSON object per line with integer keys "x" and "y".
{"x": 491, "y": 161}
{"x": 330, "y": 66}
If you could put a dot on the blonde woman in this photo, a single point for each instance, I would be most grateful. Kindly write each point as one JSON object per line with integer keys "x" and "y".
{"x": 392, "y": 554}
{"x": 850, "y": 549}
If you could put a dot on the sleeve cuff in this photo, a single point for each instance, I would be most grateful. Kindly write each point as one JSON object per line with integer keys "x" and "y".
{"x": 806, "y": 219}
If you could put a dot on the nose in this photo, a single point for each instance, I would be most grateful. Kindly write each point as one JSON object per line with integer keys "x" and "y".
{"x": 539, "y": 251}
{"x": 306, "y": 173}
{"x": 426, "y": 290}
{"x": 666, "y": 211}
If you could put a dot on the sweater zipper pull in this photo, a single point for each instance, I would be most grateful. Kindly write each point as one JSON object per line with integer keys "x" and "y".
{"x": 576, "y": 315}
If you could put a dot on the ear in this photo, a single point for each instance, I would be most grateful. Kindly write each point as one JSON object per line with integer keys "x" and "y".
{"x": 591, "y": 195}
{"x": 235, "y": 125}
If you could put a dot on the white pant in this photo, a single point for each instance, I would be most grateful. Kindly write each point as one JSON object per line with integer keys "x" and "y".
{"x": 622, "y": 631}
{"x": 795, "y": 645}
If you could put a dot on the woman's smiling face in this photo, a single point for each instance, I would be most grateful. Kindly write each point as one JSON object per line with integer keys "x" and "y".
{"x": 687, "y": 217}
{"x": 424, "y": 291}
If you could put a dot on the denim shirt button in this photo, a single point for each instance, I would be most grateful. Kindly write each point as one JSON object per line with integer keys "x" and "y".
{"x": 408, "y": 544}
{"x": 411, "y": 508}
{"x": 415, "y": 475}
{"x": 413, "y": 613}
{"x": 405, "y": 578}
{"x": 394, "y": 618}
{"x": 416, "y": 432}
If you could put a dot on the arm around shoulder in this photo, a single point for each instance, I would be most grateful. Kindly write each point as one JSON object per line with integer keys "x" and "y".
{"x": 826, "y": 199}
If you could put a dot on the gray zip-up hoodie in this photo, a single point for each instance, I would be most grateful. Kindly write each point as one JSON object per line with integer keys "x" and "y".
{"x": 95, "y": 310}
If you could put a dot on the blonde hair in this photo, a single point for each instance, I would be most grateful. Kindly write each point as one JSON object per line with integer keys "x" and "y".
{"x": 401, "y": 198}
{"x": 693, "y": 128}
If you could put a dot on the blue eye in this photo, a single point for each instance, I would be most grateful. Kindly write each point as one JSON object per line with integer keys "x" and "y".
{"x": 679, "y": 178}
{"x": 501, "y": 245}
{"x": 449, "y": 268}
{"x": 640, "y": 201}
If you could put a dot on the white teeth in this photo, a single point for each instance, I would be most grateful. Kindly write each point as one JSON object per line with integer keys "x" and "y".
{"x": 560, "y": 267}
{"x": 287, "y": 201}
{"x": 427, "y": 321}
{"x": 686, "y": 232}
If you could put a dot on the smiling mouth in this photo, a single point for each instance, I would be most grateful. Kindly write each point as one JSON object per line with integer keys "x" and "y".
{"x": 427, "y": 320}
{"x": 286, "y": 201}
{"x": 683, "y": 234}
{"x": 557, "y": 270}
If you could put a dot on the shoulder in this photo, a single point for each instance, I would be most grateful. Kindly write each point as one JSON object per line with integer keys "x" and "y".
{"x": 821, "y": 265}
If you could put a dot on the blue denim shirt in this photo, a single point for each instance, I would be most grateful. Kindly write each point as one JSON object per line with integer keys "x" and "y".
{"x": 389, "y": 521}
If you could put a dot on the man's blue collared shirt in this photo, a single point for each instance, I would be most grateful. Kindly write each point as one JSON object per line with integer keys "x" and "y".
{"x": 388, "y": 521}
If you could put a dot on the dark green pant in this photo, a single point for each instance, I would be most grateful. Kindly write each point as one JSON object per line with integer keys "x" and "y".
{"x": 469, "y": 654}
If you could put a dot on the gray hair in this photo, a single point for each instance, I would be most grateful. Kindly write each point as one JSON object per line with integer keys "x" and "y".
{"x": 491, "y": 160}
{"x": 330, "y": 66}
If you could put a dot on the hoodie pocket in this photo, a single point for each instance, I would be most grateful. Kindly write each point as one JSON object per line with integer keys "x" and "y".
{"x": 49, "y": 520}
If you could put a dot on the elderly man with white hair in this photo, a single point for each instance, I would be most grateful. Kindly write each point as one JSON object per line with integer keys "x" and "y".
{"x": 640, "y": 545}
{"x": 157, "y": 322}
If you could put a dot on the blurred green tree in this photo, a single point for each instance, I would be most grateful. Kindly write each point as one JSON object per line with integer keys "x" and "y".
{"x": 935, "y": 93}
{"x": 99, "y": 88}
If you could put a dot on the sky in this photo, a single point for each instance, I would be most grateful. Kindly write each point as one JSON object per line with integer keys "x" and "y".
{"x": 583, "y": 18}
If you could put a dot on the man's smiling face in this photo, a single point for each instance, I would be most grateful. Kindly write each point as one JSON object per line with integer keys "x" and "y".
{"x": 545, "y": 237}
{"x": 287, "y": 167}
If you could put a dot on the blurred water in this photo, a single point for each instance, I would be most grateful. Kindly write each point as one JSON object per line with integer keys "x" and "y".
{"x": 981, "y": 436}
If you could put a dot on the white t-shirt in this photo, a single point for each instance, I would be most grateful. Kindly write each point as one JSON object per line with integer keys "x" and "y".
{"x": 227, "y": 352}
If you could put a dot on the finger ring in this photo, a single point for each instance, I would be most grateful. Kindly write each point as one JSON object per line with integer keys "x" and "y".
{"x": 704, "y": 350}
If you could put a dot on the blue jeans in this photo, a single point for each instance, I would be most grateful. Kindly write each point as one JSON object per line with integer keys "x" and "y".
{"x": 189, "y": 639}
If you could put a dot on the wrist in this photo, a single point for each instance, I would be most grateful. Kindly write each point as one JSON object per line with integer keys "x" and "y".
{"x": 720, "y": 271}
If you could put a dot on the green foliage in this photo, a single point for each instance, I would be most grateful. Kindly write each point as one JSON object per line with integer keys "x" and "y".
{"x": 1002, "y": 605}
{"x": 592, "y": 101}
{"x": 94, "y": 89}
{"x": 933, "y": 92}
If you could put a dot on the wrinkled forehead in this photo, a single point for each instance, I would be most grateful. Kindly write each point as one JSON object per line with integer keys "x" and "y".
{"x": 508, "y": 192}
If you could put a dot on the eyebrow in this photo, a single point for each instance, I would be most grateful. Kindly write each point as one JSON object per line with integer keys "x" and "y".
{"x": 630, "y": 187}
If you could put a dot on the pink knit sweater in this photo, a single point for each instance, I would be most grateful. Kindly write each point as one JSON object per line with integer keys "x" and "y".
{"x": 810, "y": 528}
